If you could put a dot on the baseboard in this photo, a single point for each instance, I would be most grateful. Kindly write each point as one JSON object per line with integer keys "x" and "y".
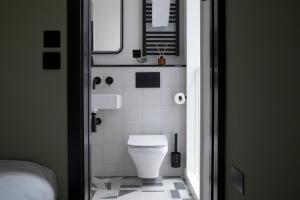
{"x": 193, "y": 193}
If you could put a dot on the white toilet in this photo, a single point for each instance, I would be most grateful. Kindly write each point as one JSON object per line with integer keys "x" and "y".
{"x": 147, "y": 153}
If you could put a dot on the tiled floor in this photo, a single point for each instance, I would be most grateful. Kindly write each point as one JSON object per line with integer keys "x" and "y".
{"x": 133, "y": 188}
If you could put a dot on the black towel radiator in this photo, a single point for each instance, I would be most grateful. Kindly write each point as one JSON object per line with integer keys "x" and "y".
{"x": 156, "y": 40}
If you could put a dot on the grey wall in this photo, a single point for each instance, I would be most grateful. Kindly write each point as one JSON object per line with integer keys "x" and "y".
{"x": 33, "y": 121}
{"x": 263, "y": 95}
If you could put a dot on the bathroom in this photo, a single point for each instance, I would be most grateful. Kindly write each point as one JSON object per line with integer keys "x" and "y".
{"x": 140, "y": 100}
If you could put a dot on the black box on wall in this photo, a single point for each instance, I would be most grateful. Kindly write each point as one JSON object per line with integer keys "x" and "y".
{"x": 147, "y": 79}
{"x": 51, "y": 60}
{"x": 51, "y": 39}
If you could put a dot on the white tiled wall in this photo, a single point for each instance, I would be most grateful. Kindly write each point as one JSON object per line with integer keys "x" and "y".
{"x": 144, "y": 111}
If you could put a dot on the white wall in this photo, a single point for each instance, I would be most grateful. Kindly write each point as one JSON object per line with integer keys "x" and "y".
{"x": 133, "y": 37}
{"x": 193, "y": 89}
{"x": 144, "y": 111}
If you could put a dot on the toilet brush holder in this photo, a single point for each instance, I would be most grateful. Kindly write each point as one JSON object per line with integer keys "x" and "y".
{"x": 175, "y": 156}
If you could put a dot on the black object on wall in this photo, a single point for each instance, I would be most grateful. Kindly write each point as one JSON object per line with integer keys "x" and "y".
{"x": 147, "y": 79}
{"x": 94, "y": 123}
{"x": 109, "y": 80}
{"x": 96, "y": 81}
{"x": 51, "y": 60}
{"x": 161, "y": 41}
{"x": 51, "y": 39}
{"x": 136, "y": 53}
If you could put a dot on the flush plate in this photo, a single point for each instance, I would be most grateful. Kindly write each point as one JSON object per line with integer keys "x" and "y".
{"x": 147, "y": 79}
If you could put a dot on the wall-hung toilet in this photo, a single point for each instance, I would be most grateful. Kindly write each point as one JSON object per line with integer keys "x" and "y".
{"x": 147, "y": 153}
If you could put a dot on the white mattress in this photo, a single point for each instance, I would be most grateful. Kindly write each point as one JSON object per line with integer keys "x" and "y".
{"x": 20, "y": 180}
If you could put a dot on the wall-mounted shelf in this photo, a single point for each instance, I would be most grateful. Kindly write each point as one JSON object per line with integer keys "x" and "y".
{"x": 138, "y": 65}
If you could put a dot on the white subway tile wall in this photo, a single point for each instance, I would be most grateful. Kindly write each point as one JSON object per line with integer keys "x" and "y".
{"x": 144, "y": 111}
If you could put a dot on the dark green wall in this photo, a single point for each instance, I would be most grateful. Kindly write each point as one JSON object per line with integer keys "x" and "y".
{"x": 33, "y": 102}
{"x": 263, "y": 98}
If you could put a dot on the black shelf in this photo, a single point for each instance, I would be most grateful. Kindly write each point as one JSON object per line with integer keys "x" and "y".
{"x": 139, "y": 65}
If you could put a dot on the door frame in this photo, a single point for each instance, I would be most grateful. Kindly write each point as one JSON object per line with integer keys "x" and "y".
{"x": 79, "y": 99}
{"x": 78, "y": 81}
{"x": 218, "y": 81}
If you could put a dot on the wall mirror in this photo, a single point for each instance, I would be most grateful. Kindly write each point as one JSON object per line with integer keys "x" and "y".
{"x": 107, "y": 26}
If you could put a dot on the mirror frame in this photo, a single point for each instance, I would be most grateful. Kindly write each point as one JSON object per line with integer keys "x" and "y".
{"x": 121, "y": 34}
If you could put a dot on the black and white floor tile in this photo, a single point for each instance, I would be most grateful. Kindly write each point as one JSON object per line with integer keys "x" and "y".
{"x": 133, "y": 188}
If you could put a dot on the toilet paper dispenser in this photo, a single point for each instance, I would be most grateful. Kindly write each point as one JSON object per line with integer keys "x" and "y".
{"x": 179, "y": 98}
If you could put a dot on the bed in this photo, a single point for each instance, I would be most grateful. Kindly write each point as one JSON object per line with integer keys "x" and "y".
{"x": 22, "y": 180}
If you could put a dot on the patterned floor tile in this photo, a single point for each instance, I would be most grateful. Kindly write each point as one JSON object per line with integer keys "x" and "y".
{"x": 133, "y": 188}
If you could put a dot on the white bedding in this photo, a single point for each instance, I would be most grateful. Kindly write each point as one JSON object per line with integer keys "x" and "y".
{"x": 20, "y": 180}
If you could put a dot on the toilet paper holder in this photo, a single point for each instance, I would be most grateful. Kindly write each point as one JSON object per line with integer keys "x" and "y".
{"x": 180, "y": 98}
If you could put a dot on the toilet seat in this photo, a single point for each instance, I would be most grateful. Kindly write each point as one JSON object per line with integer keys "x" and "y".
{"x": 147, "y": 141}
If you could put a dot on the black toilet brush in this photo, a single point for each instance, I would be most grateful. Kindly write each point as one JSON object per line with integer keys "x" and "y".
{"x": 175, "y": 156}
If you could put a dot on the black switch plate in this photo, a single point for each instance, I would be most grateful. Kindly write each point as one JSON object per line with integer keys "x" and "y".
{"x": 147, "y": 79}
{"x": 136, "y": 53}
{"x": 238, "y": 180}
{"x": 51, "y": 60}
{"x": 51, "y": 39}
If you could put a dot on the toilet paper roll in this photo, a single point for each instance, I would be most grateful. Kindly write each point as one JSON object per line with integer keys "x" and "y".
{"x": 179, "y": 98}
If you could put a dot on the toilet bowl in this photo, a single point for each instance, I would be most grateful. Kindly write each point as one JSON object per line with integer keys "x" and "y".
{"x": 147, "y": 153}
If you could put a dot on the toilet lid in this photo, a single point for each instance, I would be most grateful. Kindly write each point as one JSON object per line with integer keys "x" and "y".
{"x": 147, "y": 140}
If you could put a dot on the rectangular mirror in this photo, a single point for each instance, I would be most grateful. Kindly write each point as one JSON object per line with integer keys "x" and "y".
{"x": 107, "y": 26}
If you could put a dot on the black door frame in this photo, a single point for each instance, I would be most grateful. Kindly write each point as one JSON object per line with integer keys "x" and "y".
{"x": 218, "y": 62}
{"x": 78, "y": 99}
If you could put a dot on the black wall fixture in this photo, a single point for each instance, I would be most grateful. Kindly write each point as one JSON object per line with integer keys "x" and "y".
{"x": 51, "y": 39}
{"x": 109, "y": 80}
{"x": 155, "y": 40}
{"x": 147, "y": 79}
{"x": 51, "y": 60}
{"x": 96, "y": 81}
